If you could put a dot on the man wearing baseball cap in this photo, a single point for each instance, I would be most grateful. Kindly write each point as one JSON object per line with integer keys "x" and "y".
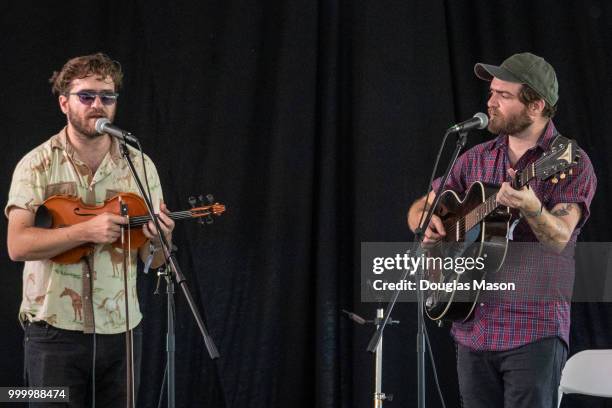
{"x": 511, "y": 352}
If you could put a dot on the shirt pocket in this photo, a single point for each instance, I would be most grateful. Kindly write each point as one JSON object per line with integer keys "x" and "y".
{"x": 65, "y": 188}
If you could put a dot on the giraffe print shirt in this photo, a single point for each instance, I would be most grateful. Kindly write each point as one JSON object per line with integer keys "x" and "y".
{"x": 90, "y": 293}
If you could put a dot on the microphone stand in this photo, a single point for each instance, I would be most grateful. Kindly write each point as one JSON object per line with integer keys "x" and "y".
{"x": 175, "y": 271}
{"x": 419, "y": 234}
{"x": 379, "y": 396}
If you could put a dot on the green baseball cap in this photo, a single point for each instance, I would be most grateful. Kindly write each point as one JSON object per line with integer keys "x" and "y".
{"x": 524, "y": 68}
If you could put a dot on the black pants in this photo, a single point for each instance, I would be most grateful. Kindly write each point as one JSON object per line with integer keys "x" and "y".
{"x": 56, "y": 357}
{"x": 527, "y": 376}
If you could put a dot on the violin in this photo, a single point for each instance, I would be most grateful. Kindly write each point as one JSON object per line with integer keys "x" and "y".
{"x": 60, "y": 211}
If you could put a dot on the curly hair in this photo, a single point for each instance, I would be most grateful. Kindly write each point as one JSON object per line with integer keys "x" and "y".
{"x": 81, "y": 67}
{"x": 527, "y": 95}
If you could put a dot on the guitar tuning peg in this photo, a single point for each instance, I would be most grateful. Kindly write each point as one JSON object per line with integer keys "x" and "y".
{"x": 562, "y": 176}
{"x": 201, "y": 200}
{"x": 192, "y": 201}
{"x": 554, "y": 180}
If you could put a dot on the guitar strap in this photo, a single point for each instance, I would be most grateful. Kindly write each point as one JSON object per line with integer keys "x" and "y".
{"x": 560, "y": 139}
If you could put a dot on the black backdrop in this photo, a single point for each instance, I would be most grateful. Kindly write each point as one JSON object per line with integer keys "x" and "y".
{"x": 316, "y": 123}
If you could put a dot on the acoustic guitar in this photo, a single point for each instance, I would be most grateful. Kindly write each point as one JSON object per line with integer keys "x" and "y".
{"x": 476, "y": 227}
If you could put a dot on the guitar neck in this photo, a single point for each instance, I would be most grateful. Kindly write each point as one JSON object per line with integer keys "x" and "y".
{"x": 490, "y": 204}
{"x": 480, "y": 212}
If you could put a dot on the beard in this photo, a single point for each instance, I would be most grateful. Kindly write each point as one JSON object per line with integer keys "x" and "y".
{"x": 84, "y": 125}
{"x": 508, "y": 125}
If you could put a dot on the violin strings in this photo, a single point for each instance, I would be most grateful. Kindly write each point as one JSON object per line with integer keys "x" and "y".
{"x": 180, "y": 215}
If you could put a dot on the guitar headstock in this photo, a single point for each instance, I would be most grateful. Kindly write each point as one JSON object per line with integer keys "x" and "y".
{"x": 205, "y": 211}
{"x": 561, "y": 157}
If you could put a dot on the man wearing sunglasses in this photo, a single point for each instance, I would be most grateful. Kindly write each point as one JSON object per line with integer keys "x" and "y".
{"x": 74, "y": 315}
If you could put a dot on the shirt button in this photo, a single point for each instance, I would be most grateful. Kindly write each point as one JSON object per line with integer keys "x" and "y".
{"x": 87, "y": 275}
{"x": 86, "y": 297}
{"x": 482, "y": 304}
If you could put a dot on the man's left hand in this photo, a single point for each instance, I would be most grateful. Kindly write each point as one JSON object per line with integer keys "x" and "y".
{"x": 166, "y": 224}
{"x": 524, "y": 199}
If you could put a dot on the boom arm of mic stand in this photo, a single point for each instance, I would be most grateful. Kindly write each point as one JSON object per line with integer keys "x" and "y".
{"x": 419, "y": 235}
{"x": 180, "y": 278}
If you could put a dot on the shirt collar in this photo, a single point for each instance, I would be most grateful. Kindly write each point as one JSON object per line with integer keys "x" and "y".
{"x": 60, "y": 141}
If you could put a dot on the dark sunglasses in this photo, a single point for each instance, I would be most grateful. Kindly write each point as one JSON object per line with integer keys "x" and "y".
{"x": 88, "y": 97}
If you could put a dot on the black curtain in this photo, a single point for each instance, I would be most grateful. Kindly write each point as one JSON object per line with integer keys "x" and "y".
{"x": 316, "y": 123}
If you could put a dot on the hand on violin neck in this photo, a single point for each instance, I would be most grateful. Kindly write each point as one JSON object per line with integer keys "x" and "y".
{"x": 165, "y": 223}
{"x": 104, "y": 228}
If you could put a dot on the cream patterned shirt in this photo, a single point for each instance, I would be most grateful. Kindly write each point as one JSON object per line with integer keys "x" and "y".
{"x": 69, "y": 296}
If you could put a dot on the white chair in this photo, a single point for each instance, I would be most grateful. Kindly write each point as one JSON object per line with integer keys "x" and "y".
{"x": 588, "y": 372}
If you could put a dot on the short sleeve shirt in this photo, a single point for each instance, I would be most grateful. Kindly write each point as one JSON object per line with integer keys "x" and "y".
{"x": 501, "y": 322}
{"x": 89, "y": 294}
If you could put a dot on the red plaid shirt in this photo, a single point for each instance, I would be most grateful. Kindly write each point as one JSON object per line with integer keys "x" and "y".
{"x": 500, "y": 323}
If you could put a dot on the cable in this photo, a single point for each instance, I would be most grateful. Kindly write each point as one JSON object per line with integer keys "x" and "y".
{"x": 431, "y": 178}
{"x": 93, "y": 372}
{"x": 93, "y": 317}
{"x": 163, "y": 385}
{"x": 429, "y": 189}
{"x": 144, "y": 170}
{"x": 433, "y": 366}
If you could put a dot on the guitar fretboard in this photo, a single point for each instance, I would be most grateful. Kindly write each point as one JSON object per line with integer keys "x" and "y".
{"x": 490, "y": 204}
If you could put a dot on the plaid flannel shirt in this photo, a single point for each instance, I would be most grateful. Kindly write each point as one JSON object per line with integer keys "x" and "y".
{"x": 501, "y": 322}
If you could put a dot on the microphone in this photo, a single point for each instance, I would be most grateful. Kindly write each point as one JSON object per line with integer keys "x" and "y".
{"x": 355, "y": 317}
{"x": 478, "y": 121}
{"x": 103, "y": 125}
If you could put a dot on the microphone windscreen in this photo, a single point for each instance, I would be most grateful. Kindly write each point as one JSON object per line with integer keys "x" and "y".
{"x": 484, "y": 120}
{"x": 100, "y": 124}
